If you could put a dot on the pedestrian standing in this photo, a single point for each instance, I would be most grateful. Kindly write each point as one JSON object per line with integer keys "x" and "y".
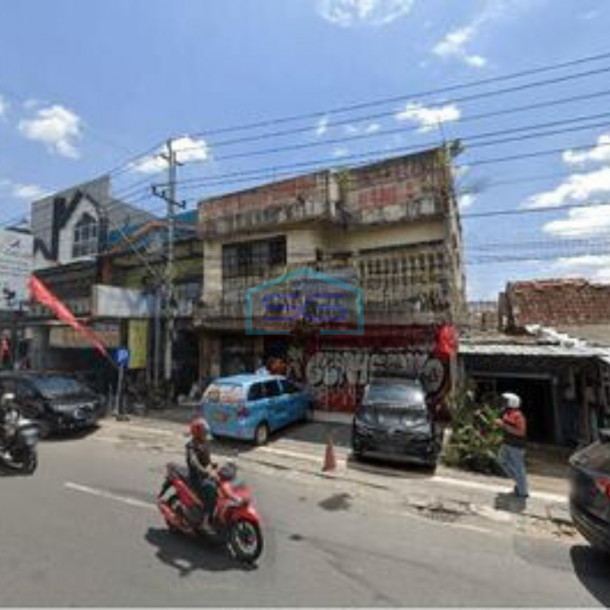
{"x": 512, "y": 452}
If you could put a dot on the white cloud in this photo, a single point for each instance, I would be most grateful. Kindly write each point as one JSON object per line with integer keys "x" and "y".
{"x": 576, "y": 188}
{"x": 581, "y": 222}
{"x": 28, "y": 192}
{"x": 187, "y": 150}
{"x": 354, "y": 130}
{"x": 56, "y": 127}
{"x": 429, "y": 118}
{"x": 475, "y": 61}
{"x": 353, "y": 13}
{"x": 322, "y": 126}
{"x": 3, "y": 106}
{"x": 592, "y": 266}
{"x": 454, "y": 44}
{"x": 466, "y": 200}
{"x": 599, "y": 153}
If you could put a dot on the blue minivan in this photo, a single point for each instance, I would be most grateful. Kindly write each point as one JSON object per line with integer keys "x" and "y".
{"x": 251, "y": 406}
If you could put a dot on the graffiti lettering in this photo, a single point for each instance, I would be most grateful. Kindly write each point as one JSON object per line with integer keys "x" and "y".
{"x": 333, "y": 369}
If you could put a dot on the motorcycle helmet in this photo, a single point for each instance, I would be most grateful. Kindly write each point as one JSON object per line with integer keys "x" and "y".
{"x": 199, "y": 428}
{"x": 511, "y": 401}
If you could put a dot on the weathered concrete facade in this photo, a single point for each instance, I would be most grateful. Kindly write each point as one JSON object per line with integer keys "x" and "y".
{"x": 391, "y": 228}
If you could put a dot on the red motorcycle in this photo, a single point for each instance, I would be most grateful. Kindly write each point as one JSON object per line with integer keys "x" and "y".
{"x": 235, "y": 520}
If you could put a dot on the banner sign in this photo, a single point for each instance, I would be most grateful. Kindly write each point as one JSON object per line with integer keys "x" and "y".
{"x": 138, "y": 343}
{"x": 115, "y": 302}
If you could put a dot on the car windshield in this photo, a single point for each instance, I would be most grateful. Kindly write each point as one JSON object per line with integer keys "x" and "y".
{"x": 224, "y": 393}
{"x": 398, "y": 394}
{"x": 54, "y": 387}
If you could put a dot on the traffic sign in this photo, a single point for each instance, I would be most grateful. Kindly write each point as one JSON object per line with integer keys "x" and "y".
{"x": 122, "y": 357}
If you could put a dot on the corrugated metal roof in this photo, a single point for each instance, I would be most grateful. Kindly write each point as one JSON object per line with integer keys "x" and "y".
{"x": 548, "y": 351}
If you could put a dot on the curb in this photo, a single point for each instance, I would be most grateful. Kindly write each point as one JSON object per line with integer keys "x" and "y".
{"x": 274, "y": 457}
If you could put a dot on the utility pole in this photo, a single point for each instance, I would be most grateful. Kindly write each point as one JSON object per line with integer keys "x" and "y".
{"x": 169, "y": 195}
{"x": 169, "y": 282}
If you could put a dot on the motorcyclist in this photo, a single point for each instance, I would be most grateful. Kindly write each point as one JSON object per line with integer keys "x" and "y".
{"x": 202, "y": 471}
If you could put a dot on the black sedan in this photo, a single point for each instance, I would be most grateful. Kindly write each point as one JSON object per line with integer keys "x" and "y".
{"x": 590, "y": 492}
{"x": 393, "y": 421}
{"x": 57, "y": 402}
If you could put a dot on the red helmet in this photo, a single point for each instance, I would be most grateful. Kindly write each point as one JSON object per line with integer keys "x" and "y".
{"x": 199, "y": 429}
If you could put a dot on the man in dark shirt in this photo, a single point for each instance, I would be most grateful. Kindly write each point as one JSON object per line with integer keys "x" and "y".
{"x": 512, "y": 452}
{"x": 201, "y": 469}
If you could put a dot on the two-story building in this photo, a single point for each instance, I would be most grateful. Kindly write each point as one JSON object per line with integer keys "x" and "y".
{"x": 132, "y": 273}
{"x": 390, "y": 229}
{"x": 69, "y": 230}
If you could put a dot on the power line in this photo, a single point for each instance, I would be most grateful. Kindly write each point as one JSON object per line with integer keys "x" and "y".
{"x": 373, "y": 156}
{"x": 403, "y": 97}
{"x": 302, "y": 146}
{"x": 524, "y": 211}
{"x": 385, "y": 114}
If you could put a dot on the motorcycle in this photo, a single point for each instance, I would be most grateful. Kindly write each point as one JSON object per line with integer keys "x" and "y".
{"x": 235, "y": 520}
{"x": 18, "y": 437}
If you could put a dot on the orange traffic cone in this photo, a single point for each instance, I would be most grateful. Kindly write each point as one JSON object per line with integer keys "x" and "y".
{"x": 330, "y": 462}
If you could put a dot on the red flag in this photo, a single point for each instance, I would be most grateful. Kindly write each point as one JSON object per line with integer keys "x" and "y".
{"x": 40, "y": 293}
{"x": 446, "y": 342}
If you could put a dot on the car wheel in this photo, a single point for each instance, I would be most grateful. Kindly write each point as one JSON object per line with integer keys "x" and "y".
{"x": 357, "y": 452}
{"x": 431, "y": 467}
{"x": 261, "y": 434}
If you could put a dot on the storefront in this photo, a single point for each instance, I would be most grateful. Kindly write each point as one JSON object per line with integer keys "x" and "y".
{"x": 337, "y": 368}
{"x": 565, "y": 391}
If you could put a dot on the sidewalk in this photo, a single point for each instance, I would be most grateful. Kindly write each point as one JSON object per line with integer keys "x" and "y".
{"x": 301, "y": 449}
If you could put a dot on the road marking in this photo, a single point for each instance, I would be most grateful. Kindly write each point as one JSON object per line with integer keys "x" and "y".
{"x": 100, "y": 493}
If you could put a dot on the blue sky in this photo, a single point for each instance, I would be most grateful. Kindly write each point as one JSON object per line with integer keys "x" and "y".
{"x": 85, "y": 85}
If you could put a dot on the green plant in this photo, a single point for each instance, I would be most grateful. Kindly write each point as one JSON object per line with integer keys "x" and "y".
{"x": 475, "y": 437}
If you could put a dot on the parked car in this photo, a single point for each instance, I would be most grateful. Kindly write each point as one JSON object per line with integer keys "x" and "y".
{"x": 57, "y": 402}
{"x": 394, "y": 421}
{"x": 590, "y": 492}
{"x": 250, "y": 407}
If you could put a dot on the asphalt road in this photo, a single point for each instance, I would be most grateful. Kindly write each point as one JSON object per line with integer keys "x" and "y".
{"x": 83, "y": 532}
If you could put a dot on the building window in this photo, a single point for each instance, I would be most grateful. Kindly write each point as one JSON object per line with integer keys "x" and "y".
{"x": 253, "y": 258}
{"x": 85, "y": 237}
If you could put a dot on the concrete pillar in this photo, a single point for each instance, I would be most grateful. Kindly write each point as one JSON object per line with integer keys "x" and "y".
{"x": 209, "y": 354}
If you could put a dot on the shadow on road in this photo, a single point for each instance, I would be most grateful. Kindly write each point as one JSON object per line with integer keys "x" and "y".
{"x": 592, "y": 568}
{"x": 69, "y": 435}
{"x": 389, "y": 467}
{"x": 187, "y": 555}
{"x": 7, "y": 471}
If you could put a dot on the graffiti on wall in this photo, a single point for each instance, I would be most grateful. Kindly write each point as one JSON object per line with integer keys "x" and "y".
{"x": 331, "y": 369}
{"x": 337, "y": 377}
{"x": 337, "y": 369}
